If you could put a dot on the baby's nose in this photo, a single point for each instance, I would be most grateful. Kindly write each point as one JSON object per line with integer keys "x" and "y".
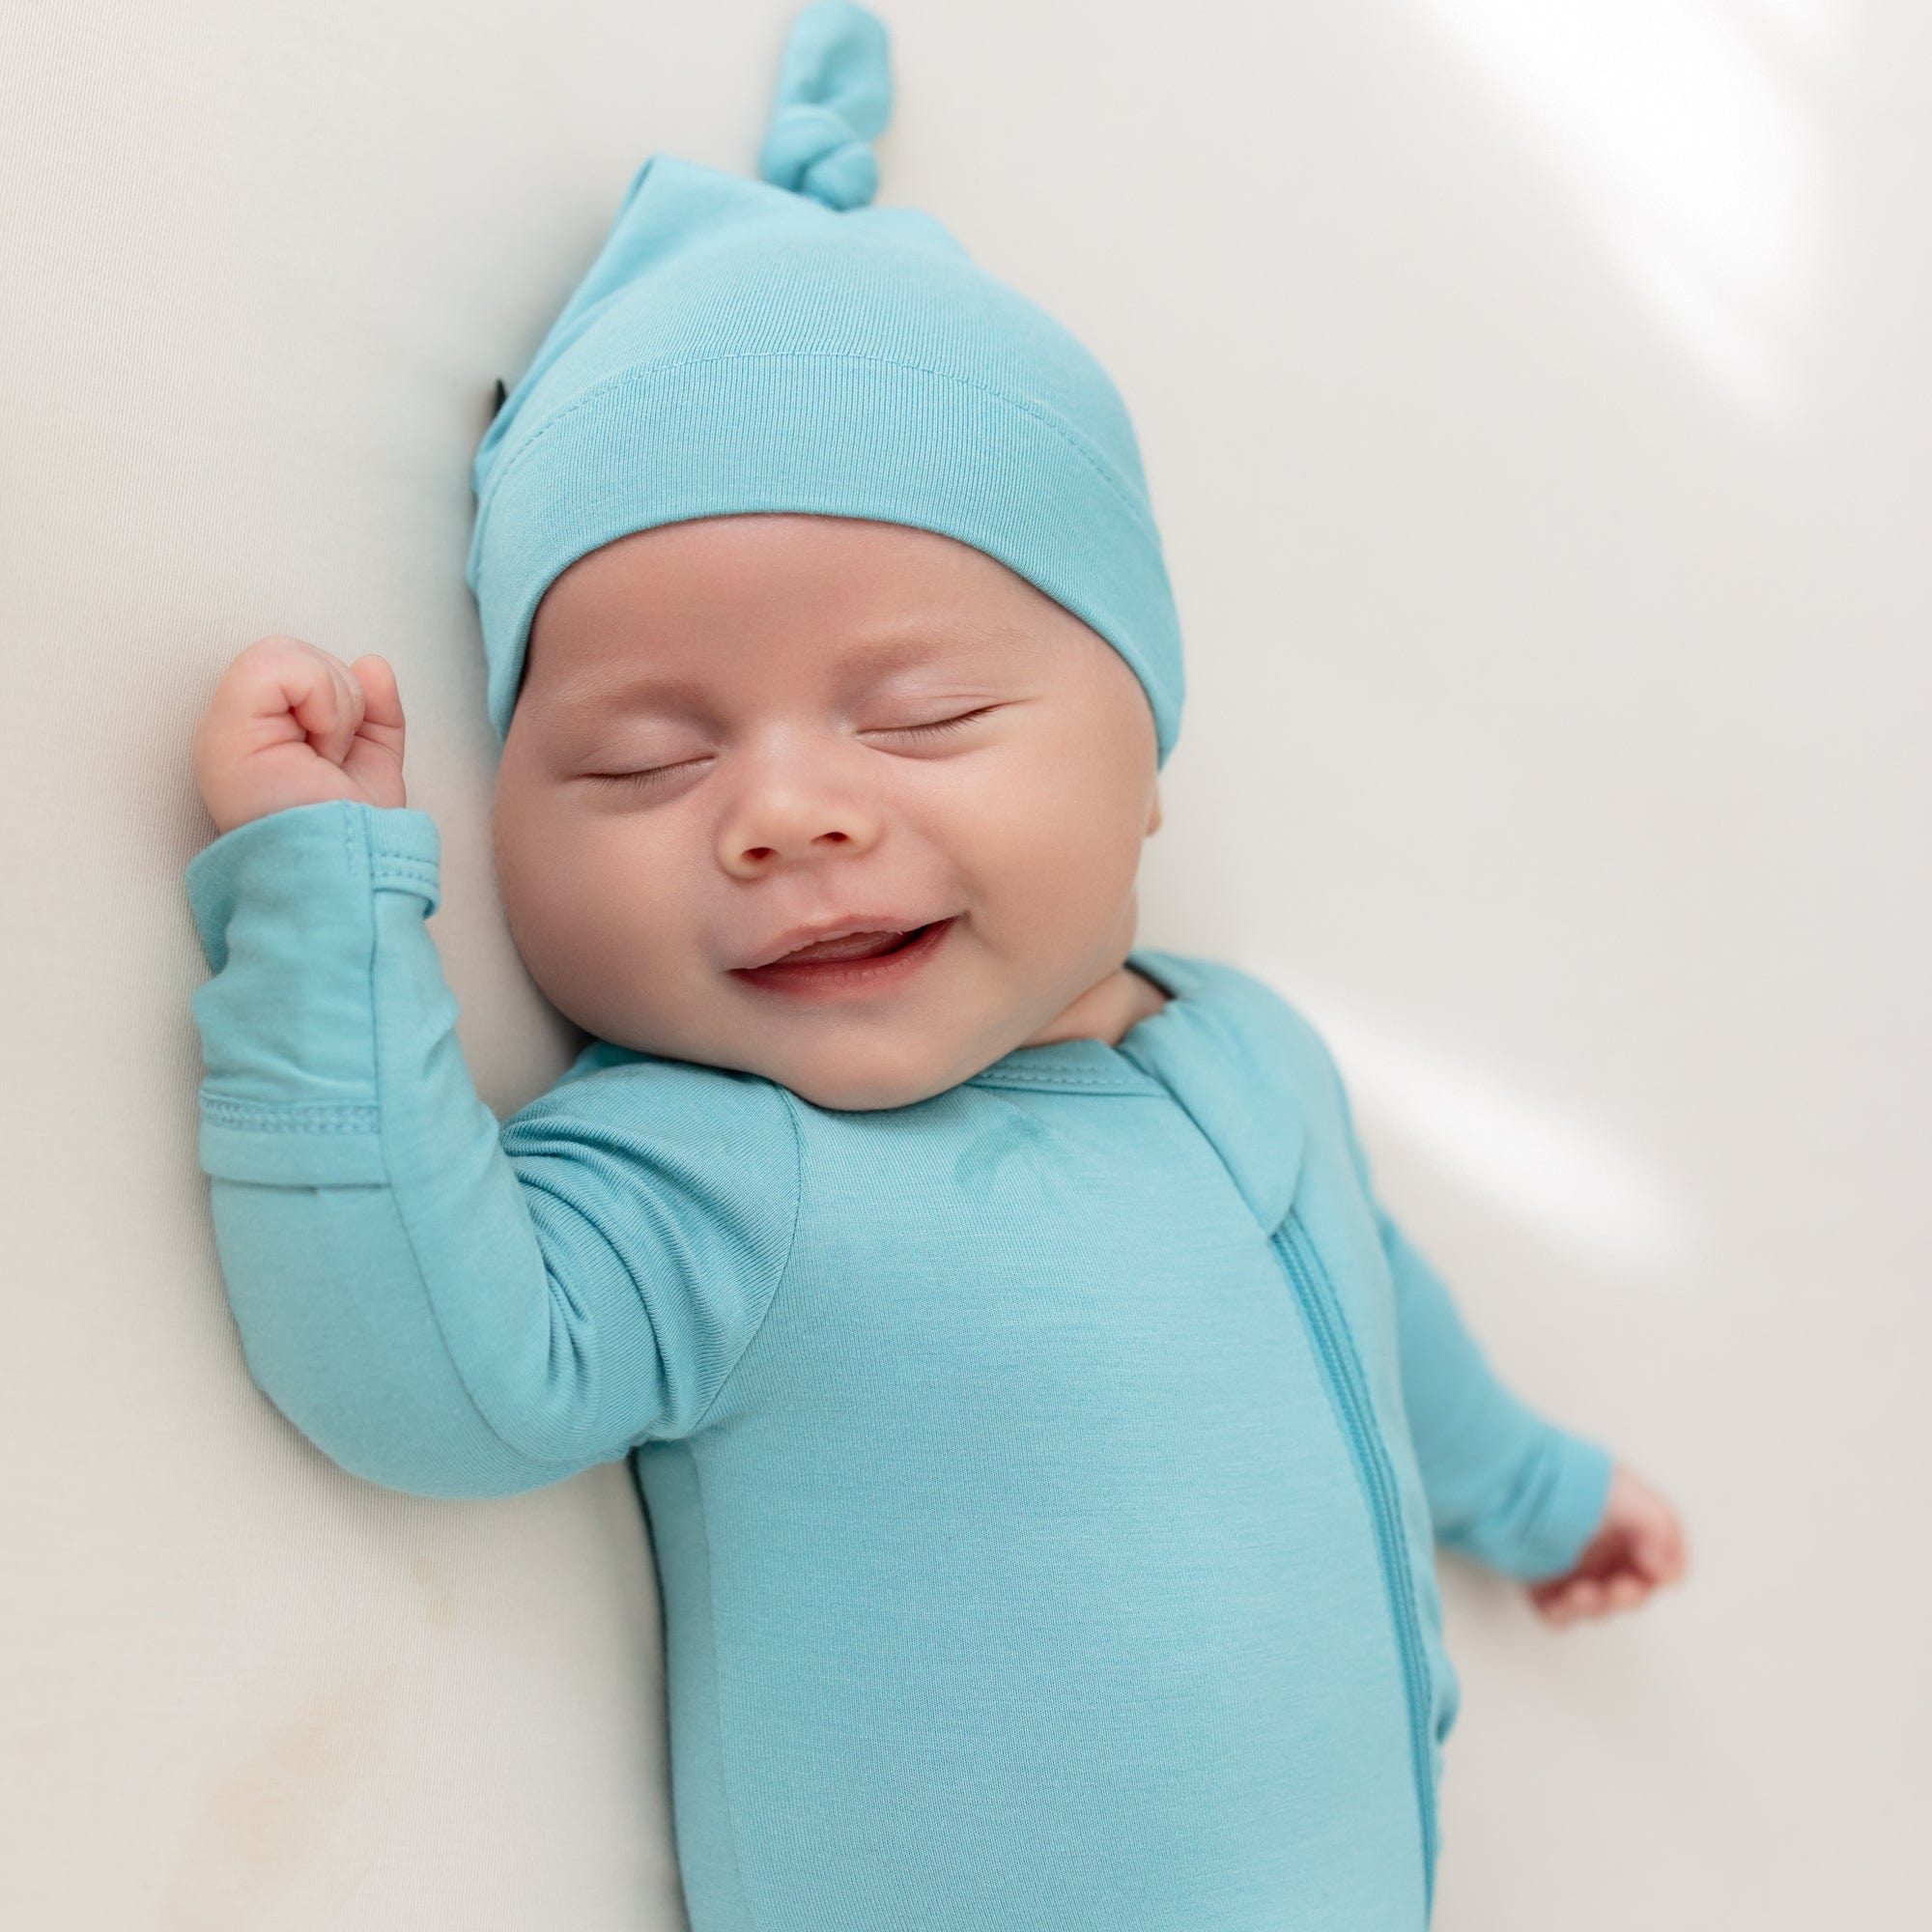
{"x": 766, "y": 830}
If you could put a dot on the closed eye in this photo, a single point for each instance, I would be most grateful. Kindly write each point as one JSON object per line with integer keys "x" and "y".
{"x": 937, "y": 727}
{"x": 640, "y": 780}
{"x": 651, "y": 775}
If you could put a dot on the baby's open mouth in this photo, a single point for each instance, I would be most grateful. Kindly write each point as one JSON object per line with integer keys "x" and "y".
{"x": 850, "y": 945}
{"x": 851, "y": 965}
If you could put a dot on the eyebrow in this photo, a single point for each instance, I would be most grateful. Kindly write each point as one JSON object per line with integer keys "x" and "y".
{"x": 860, "y": 663}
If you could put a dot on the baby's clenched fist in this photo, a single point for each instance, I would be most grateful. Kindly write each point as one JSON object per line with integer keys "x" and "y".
{"x": 1638, "y": 1545}
{"x": 291, "y": 724}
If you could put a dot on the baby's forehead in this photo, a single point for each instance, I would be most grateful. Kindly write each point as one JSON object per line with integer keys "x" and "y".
{"x": 853, "y": 570}
{"x": 600, "y": 682}
{"x": 856, "y": 600}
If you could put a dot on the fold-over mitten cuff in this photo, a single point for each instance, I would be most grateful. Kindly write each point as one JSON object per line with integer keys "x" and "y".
{"x": 285, "y": 907}
{"x": 1579, "y": 1471}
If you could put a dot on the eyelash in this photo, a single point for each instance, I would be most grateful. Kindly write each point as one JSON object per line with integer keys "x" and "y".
{"x": 942, "y": 725}
{"x": 639, "y": 781}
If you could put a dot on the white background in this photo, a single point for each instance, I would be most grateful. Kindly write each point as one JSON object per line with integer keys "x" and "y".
{"x": 1534, "y": 398}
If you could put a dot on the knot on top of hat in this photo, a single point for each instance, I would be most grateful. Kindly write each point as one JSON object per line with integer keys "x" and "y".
{"x": 834, "y": 94}
{"x": 812, "y": 150}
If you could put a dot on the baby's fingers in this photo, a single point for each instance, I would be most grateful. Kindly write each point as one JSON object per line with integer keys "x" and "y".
{"x": 1583, "y": 1598}
{"x": 382, "y": 701}
{"x": 1592, "y": 1595}
{"x": 374, "y": 758}
{"x": 325, "y": 701}
{"x": 291, "y": 724}
{"x": 1658, "y": 1550}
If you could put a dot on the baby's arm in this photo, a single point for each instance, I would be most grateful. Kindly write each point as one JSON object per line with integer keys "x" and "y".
{"x": 442, "y": 1303}
{"x": 1506, "y": 1484}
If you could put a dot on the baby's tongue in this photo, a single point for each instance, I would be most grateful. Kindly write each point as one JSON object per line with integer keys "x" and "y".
{"x": 851, "y": 946}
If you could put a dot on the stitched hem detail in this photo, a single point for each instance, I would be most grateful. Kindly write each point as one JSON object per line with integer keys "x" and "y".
{"x": 1091, "y": 1083}
{"x": 294, "y": 1117}
{"x": 389, "y": 868}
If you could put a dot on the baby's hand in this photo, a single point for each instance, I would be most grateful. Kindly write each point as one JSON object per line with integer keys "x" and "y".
{"x": 1638, "y": 1544}
{"x": 290, "y": 724}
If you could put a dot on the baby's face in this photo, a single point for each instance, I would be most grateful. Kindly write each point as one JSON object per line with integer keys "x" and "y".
{"x": 733, "y": 728}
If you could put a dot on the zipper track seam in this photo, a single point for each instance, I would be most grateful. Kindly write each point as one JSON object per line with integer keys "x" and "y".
{"x": 1385, "y": 1509}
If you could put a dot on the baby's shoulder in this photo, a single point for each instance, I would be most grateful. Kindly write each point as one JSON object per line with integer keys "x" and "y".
{"x": 637, "y": 1102}
{"x": 1260, "y": 1027}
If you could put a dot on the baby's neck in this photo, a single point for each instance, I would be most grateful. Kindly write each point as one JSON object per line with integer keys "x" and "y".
{"x": 1107, "y": 1011}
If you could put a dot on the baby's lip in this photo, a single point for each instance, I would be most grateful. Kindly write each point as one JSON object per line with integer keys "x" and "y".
{"x": 832, "y": 928}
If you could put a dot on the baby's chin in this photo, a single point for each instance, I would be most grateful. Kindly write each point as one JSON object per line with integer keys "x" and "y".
{"x": 831, "y": 1070}
{"x": 890, "y": 1074}
{"x": 853, "y": 1059}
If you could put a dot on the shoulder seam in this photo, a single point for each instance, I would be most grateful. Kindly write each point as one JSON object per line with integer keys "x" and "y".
{"x": 784, "y": 1267}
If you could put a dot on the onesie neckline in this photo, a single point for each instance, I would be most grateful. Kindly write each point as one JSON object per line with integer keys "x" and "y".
{"x": 1094, "y": 1066}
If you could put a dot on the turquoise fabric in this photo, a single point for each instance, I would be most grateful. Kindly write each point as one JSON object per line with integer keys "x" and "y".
{"x": 779, "y": 345}
{"x": 1043, "y": 1479}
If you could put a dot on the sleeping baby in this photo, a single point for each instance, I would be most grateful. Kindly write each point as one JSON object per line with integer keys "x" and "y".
{"x": 1042, "y": 1429}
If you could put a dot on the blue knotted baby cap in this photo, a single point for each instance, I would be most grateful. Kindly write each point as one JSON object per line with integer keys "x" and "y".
{"x": 780, "y": 344}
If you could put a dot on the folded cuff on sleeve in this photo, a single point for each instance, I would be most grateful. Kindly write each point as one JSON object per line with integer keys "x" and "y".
{"x": 1573, "y": 1506}
{"x": 285, "y": 908}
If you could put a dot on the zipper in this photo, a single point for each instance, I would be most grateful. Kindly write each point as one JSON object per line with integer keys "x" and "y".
{"x": 1348, "y": 1394}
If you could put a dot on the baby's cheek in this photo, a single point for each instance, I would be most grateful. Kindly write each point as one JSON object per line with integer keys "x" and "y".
{"x": 605, "y": 929}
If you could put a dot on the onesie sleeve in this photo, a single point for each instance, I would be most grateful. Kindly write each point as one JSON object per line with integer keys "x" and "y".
{"x": 441, "y": 1302}
{"x": 1506, "y": 1484}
